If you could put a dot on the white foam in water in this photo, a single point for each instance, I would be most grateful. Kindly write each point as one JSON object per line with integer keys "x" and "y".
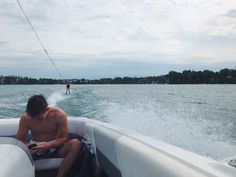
{"x": 56, "y": 97}
{"x": 153, "y": 120}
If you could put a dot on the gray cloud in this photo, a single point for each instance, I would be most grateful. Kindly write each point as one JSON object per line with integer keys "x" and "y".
{"x": 231, "y": 13}
{"x": 3, "y": 43}
{"x": 98, "y": 17}
{"x": 82, "y": 34}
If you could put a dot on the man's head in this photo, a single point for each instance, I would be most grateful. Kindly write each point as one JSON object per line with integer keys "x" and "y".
{"x": 36, "y": 105}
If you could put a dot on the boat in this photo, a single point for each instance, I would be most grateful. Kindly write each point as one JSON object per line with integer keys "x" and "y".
{"x": 118, "y": 153}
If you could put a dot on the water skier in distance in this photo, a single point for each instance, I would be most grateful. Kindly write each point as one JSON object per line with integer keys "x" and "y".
{"x": 68, "y": 88}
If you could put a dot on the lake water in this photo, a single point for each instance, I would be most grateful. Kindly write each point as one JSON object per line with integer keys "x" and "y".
{"x": 200, "y": 118}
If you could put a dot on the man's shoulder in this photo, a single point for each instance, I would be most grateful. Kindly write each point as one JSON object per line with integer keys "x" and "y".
{"x": 53, "y": 109}
{"x": 25, "y": 119}
{"x": 57, "y": 112}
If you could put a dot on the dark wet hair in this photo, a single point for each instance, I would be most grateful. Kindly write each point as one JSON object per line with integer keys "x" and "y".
{"x": 36, "y": 104}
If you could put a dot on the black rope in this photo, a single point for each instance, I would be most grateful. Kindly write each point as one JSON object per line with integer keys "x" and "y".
{"x": 39, "y": 39}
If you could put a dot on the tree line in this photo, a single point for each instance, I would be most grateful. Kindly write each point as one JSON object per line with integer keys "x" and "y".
{"x": 224, "y": 76}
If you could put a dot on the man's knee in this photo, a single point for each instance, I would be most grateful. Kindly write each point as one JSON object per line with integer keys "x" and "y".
{"x": 75, "y": 145}
{"x": 72, "y": 146}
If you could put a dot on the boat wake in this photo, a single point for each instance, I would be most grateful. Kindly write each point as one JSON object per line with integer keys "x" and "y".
{"x": 57, "y": 97}
{"x": 156, "y": 121}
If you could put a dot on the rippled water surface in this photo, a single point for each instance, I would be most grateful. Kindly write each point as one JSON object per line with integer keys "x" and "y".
{"x": 200, "y": 118}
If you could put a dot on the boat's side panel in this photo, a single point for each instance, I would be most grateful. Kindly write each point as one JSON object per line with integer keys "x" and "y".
{"x": 140, "y": 160}
{"x": 76, "y": 126}
{"x": 105, "y": 140}
{"x": 9, "y": 127}
{"x": 122, "y": 154}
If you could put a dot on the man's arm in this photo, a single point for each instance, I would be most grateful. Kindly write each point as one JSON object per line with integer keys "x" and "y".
{"x": 23, "y": 129}
{"x": 62, "y": 134}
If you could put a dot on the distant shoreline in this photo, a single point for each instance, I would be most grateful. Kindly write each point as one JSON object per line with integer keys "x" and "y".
{"x": 224, "y": 76}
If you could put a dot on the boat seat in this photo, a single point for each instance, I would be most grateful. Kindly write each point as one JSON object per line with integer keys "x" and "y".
{"x": 47, "y": 164}
{"x": 53, "y": 163}
{"x": 14, "y": 151}
{"x": 8, "y": 128}
{"x": 76, "y": 131}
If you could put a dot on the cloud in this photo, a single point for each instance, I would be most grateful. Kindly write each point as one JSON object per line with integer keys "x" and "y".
{"x": 3, "y": 43}
{"x": 231, "y": 13}
{"x": 86, "y": 33}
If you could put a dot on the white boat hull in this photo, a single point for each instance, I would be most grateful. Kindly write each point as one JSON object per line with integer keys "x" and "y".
{"x": 121, "y": 153}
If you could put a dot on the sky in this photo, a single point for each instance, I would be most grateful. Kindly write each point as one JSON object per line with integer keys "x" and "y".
{"x": 95, "y": 39}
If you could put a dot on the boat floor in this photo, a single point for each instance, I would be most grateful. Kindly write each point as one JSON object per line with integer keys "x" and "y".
{"x": 53, "y": 173}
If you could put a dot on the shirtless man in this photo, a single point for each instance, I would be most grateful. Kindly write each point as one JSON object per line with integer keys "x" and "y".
{"x": 48, "y": 126}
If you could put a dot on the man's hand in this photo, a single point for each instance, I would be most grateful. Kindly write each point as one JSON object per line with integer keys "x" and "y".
{"x": 40, "y": 148}
{"x": 30, "y": 146}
